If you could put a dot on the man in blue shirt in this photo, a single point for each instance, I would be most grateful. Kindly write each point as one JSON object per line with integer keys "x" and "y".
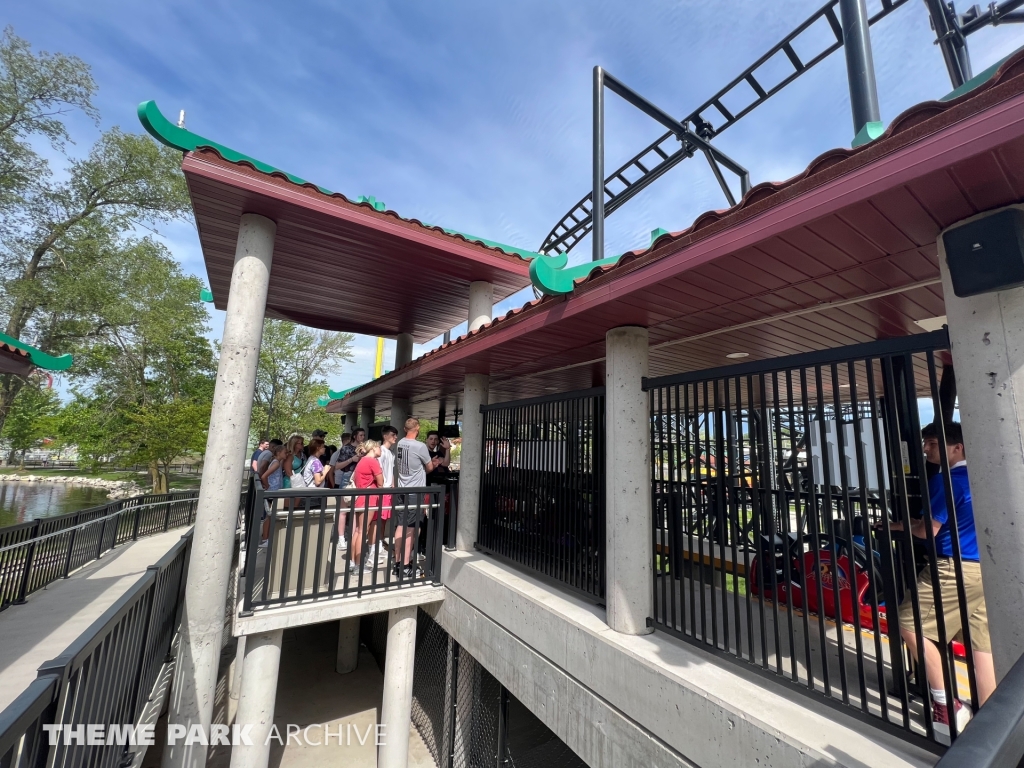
{"x": 949, "y": 604}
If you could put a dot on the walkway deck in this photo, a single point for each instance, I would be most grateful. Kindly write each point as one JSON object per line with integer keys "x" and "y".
{"x": 55, "y": 616}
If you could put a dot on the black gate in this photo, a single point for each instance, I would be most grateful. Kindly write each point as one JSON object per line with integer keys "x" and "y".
{"x": 542, "y": 487}
{"x": 773, "y": 486}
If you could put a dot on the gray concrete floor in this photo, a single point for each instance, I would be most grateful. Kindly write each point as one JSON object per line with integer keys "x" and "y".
{"x": 309, "y": 691}
{"x": 52, "y": 618}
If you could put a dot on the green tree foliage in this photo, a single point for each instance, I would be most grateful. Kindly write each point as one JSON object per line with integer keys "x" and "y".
{"x": 55, "y": 230}
{"x": 33, "y": 417}
{"x": 156, "y": 435}
{"x": 294, "y": 365}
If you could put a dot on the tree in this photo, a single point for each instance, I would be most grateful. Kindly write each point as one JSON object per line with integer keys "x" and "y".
{"x": 53, "y": 229}
{"x": 32, "y": 418}
{"x": 158, "y": 434}
{"x": 294, "y": 365}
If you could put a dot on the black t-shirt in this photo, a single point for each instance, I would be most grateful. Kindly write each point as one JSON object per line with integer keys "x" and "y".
{"x": 255, "y": 456}
{"x": 440, "y": 473}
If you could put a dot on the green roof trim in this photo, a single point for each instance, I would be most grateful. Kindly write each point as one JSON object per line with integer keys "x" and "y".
{"x": 378, "y": 205}
{"x": 656, "y": 233}
{"x": 166, "y": 132}
{"x": 39, "y": 358}
{"x": 323, "y": 402}
{"x": 550, "y": 275}
{"x": 975, "y": 81}
{"x": 206, "y": 295}
{"x": 868, "y": 133}
{"x": 509, "y": 249}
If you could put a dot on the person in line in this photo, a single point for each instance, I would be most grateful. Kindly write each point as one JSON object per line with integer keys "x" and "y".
{"x": 272, "y": 479}
{"x": 977, "y": 615}
{"x": 389, "y": 436}
{"x": 316, "y": 433}
{"x": 412, "y": 464}
{"x": 294, "y": 466}
{"x": 440, "y": 450}
{"x": 266, "y": 457}
{"x": 261, "y": 446}
{"x": 329, "y": 451}
{"x": 368, "y": 474}
{"x": 314, "y": 473}
{"x": 344, "y": 462}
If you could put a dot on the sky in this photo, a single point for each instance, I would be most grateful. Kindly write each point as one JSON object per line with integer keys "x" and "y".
{"x": 477, "y": 116}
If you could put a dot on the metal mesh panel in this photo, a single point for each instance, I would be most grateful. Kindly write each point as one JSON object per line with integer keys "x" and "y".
{"x": 531, "y": 744}
{"x": 431, "y": 688}
{"x": 476, "y": 722}
{"x": 373, "y": 633}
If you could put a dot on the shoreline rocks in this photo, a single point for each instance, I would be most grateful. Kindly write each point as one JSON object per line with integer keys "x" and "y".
{"x": 116, "y": 489}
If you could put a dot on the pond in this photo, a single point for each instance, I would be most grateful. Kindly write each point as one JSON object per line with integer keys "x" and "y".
{"x": 26, "y": 501}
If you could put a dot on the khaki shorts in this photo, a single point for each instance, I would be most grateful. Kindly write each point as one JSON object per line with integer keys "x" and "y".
{"x": 977, "y": 614}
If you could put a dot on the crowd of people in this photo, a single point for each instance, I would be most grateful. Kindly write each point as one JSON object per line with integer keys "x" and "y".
{"x": 371, "y": 536}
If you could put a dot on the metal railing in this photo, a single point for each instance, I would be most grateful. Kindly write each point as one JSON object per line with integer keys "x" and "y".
{"x": 320, "y": 543}
{"x": 34, "y": 554}
{"x": 774, "y": 486}
{"x": 106, "y": 676}
{"x": 542, "y": 492}
{"x": 996, "y": 736}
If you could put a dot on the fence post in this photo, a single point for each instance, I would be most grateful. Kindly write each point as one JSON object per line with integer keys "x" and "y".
{"x": 71, "y": 546}
{"x": 134, "y": 710}
{"x": 167, "y": 515}
{"x": 23, "y": 591}
{"x": 99, "y": 543}
{"x": 135, "y": 526}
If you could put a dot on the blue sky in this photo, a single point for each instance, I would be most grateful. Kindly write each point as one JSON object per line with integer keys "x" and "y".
{"x": 476, "y": 116}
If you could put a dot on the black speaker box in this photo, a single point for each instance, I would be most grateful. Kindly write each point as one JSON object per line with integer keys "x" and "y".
{"x": 987, "y": 254}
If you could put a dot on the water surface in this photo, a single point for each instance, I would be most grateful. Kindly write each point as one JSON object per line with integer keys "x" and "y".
{"x": 26, "y": 501}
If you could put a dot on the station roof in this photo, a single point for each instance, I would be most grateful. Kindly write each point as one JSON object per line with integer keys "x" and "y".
{"x": 339, "y": 264}
{"x": 842, "y": 253}
{"x": 20, "y": 358}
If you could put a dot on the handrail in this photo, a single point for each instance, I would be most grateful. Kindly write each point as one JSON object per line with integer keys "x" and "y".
{"x": 107, "y": 675}
{"x": 35, "y": 554}
{"x": 995, "y": 737}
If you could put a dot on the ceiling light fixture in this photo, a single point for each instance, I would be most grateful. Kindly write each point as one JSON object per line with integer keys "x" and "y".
{"x": 737, "y": 355}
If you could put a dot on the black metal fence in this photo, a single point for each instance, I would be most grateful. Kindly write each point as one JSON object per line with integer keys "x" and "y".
{"x": 463, "y": 714}
{"x": 106, "y": 676}
{"x": 542, "y": 491}
{"x": 322, "y": 543}
{"x": 34, "y": 554}
{"x": 774, "y": 487}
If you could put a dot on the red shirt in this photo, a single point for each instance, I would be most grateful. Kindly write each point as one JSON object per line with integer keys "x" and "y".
{"x": 365, "y": 477}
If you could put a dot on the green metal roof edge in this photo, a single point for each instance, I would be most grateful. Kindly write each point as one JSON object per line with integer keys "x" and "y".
{"x": 509, "y": 249}
{"x": 323, "y": 402}
{"x": 206, "y": 295}
{"x": 39, "y": 358}
{"x": 550, "y": 275}
{"x": 977, "y": 80}
{"x": 166, "y": 132}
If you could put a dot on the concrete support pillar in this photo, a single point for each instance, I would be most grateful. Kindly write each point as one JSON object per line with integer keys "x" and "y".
{"x": 400, "y": 411}
{"x": 481, "y": 304}
{"x": 348, "y": 645}
{"x": 396, "y": 709}
{"x": 236, "y": 669}
{"x": 256, "y": 702}
{"x": 202, "y": 622}
{"x": 403, "y": 350}
{"x": 628, "y": 525}
{"x": 475, "y": 395}
{"x": 987, "y": 335}
{"x": 351, "y": 421}
{"x": 366, "y": 418}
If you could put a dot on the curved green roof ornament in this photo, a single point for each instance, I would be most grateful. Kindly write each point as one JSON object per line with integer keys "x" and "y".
{"x": 39, "y": 358}
{"x": 206, "y": 295}
{"x": 550, "y": 275}
{"x": 332, "y": 395}
{"x": 166, "y": 132}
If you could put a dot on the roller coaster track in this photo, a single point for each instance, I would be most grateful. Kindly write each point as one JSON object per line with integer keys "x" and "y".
{"x": 665, "y": 153}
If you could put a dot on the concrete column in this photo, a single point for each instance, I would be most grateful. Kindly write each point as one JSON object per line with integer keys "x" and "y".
{"x": 366, "y": 418}
{"x": 472, "y": 458}
{"x": 256, "y": 702}
{"x": 348, "y": 645}
{"x": 987, "y": 335}
{"x": 400, "y": 411}
{"x": 403, "y": 350}
{"x": 351, "y": 421}
{"x": 481, "y": 304}
{"x": 236, "y": 669}
{"x": 628, "y": 524}
{"x": 396, "y": 709}
{"x": 202, "y": 623}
